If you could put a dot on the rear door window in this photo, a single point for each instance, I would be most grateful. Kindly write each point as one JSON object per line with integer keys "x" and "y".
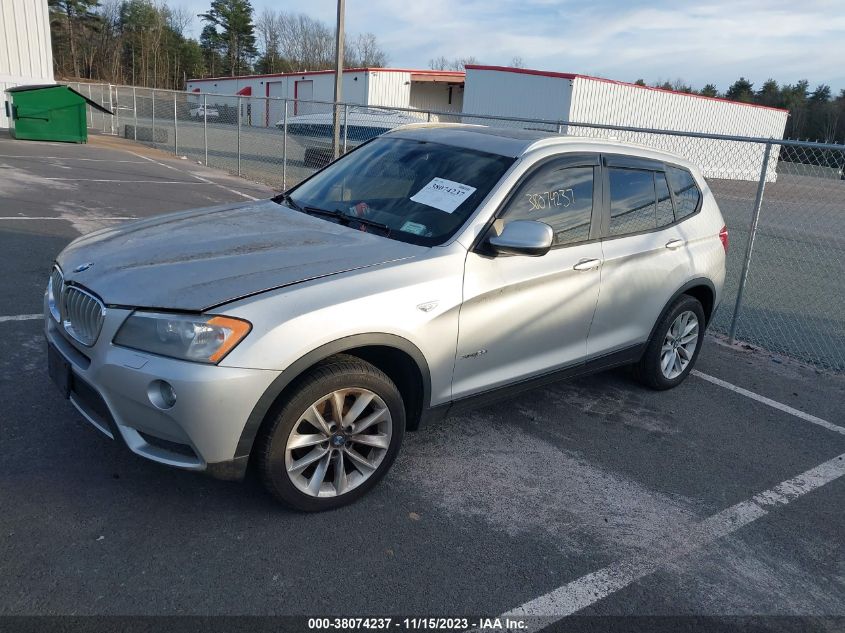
{"x": 687, "y": 194}
{"x": 633, "y": 205}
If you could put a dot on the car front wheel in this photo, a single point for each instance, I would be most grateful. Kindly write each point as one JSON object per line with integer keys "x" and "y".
{"x": 673, "y": 349}
{"x": 334, "y": 437}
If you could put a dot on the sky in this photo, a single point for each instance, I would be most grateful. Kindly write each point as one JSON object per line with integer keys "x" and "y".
{"x": 700, "y": 42}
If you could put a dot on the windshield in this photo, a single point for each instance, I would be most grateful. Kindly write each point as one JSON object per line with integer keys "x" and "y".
{"x": 409, "y": 190}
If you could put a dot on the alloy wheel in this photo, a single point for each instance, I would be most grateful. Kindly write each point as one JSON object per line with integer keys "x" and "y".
{"x": 679, "y": 345}
{"x": 338, "y": 442}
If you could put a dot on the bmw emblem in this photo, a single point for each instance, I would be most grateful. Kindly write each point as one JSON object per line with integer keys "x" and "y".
{"x": 83, "y": 267}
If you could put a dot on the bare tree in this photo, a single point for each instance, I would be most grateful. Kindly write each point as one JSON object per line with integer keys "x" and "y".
{"x": 517, "y": 62}
{"x": 459, "y": 63}
{"x": 364, "y": 51}
{"x": 269, "y": 27}
{"x": 439, "y": 63}
{"x": 178, "y": 19}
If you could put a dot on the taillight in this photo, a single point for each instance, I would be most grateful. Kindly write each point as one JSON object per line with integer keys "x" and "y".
{"x": 723, "y": 235}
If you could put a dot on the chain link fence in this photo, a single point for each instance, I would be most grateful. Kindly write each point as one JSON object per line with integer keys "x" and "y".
{"x": 783, "y": 201}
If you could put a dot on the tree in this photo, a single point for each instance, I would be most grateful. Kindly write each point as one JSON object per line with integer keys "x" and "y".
{"x": 269, "y": 27}
{"x": 232, "y": 21}
{"x": 769, "y": 94}
{"x": 794, "y": 99}
{"x": 71, "y": 21}
{"x": 821, "y": 94}
{"x": 822, "y": 115}
{"x": 709, "y": 90}
{"x": 517, "y": 62}
{"x": 741, "y": 90}
{"x": 639, "y": 82}
{"x": 210, "y": 45}
{"x": 459, "y": 63}
{"x": 365, "y": 52}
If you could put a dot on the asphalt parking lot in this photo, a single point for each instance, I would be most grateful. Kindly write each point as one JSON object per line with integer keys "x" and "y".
{"x": 723, "y": 497}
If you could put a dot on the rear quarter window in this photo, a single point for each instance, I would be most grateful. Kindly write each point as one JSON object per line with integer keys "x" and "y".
{"x": 687, "y": 193}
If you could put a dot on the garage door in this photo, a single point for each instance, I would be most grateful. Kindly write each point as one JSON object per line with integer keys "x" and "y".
{"x": 303, "y": 92}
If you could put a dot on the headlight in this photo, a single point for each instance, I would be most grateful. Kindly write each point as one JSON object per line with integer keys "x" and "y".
{"x": 202, "y": 339}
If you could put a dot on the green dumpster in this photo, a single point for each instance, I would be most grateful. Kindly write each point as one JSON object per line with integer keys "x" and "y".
{"x": 49, "y": 113}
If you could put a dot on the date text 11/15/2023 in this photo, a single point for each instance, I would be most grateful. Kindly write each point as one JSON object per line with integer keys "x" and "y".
{"x": 417, "y": 624}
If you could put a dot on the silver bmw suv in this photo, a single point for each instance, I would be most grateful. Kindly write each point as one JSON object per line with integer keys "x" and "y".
{"x": 431, "y": 269}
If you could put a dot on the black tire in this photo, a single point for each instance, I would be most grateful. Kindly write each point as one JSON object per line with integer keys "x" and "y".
{"x": 317, "y": 158}
{"x": 648, "y": 370}
{"x": 338, "y": 372}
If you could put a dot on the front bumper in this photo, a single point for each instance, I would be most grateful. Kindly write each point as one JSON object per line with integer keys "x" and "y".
{"x": 109, "y": 386}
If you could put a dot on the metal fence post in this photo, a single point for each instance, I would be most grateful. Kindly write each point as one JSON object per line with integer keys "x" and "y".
{"x": 345, "y": 126}
{"x": 103, "y": 102}
{"x": 205, "y": 126}
{"x": 175, "y": 128}
{"x": 89, "y": 110}
{"x": 153, "y": 100}
{"x": 743, "y": 278}
{"x": 239, "y": 135}
{"x": 285, "y": 148}
{"x": 116, "y": 108}
{"x": 135, "y": 110}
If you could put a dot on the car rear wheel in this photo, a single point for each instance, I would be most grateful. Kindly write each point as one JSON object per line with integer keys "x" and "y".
{"x": 334, "y": 437}
{"x": 673, "y": 349}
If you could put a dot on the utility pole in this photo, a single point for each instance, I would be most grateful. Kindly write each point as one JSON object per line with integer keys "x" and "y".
{"x": 338, "y": 77}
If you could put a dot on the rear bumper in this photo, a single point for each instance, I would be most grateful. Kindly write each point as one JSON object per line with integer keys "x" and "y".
{"x": 110, "y": 387}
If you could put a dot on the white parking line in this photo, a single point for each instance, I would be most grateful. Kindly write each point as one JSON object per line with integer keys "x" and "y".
{"x": 595, "y": 586}
{"x": 769, "y": 402}
{"x": 21, "y": 317}
{"x": 200, "y": 178}
{"x": 155, "y": 182}
{"x": 36, "y": 217}
{"x": 94, "y": 160}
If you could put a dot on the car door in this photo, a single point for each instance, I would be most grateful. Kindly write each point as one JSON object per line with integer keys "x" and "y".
{"x": 645, "y": 255}
{"x": 525, "y": 316}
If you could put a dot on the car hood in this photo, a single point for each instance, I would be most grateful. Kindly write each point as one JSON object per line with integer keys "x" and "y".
{"x": 194, "y": 260}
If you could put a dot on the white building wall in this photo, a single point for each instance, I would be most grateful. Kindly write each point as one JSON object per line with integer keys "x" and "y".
{"x": 430, "y": 95}
{"x": 263, "y": 112}
{"x": 517, "y": 94}
{"x": 26, "y": 53}
{"x": 390, "y": 89}
{"x": 614, "y": 103}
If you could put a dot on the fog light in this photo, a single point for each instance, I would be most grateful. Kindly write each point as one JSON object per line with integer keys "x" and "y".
{"x": 161, "y": 394}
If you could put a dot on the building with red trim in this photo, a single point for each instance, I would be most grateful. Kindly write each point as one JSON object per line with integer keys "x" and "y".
{"x": 554, "y": 96}
{"x": 389, "y": 87}
{"x": 520, "y": 93}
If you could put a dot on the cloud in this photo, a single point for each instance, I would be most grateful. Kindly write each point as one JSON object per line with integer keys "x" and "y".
{"x": 716, "y": 41}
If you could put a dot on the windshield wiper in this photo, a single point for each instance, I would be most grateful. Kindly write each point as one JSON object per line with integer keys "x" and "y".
{"x": 325, "y": 212}
{"x": 285, "y": 197}
{"x": 346, "y": 219}
{"x": 372, "y": 223}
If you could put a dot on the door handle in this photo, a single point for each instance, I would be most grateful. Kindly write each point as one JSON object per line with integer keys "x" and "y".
{"x": 674, "y": 244}
{"x": 587, "y": 264}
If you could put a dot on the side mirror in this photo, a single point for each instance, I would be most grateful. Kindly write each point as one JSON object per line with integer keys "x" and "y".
{"x": 523, "y": 237}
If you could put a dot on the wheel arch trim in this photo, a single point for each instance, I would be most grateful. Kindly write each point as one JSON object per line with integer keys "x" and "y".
{"x": 692, "y": 283}
{"x": 295, "y": 369}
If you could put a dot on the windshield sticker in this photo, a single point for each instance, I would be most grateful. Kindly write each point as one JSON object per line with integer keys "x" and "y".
{"x": 446, "y": 195}
{"x": 415, "y": 228}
